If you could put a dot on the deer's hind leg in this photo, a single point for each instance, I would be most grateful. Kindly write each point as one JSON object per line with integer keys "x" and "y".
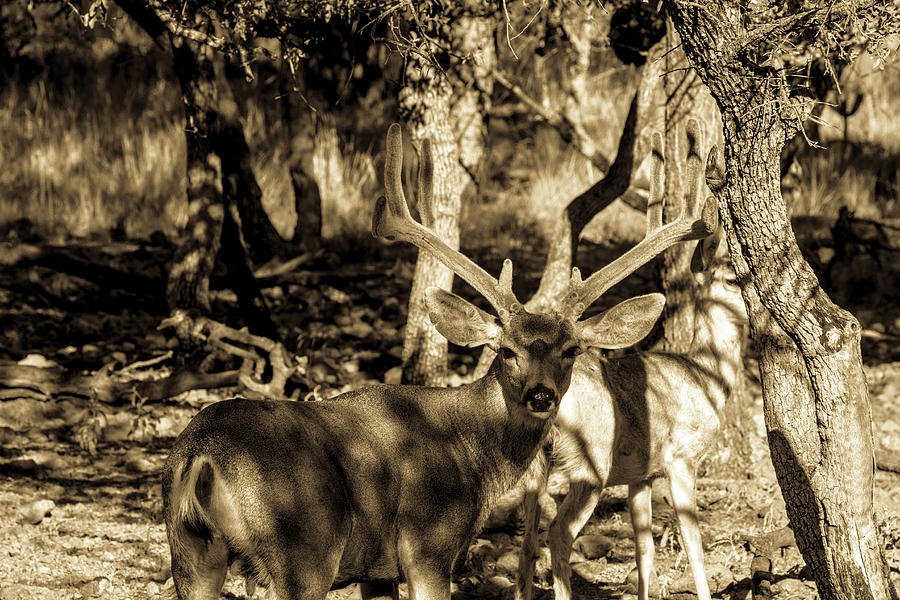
{"x": 639, "y": 505}
{"x": 682, "y": 480}
{"x": 199, "y": 567}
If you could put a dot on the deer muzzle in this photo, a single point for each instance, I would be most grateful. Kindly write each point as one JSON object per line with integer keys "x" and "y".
{"x": 540, "y": 399}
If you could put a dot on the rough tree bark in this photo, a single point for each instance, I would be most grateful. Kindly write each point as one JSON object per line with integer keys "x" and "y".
{"x": 425, "y": 103}
{"x": 188, "y": 285}
{"x": 685, "y": 96}
{"x": 814, "y": 390}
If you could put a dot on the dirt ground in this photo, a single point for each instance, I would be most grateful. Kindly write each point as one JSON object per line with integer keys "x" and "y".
{"x": 75, "y": 525}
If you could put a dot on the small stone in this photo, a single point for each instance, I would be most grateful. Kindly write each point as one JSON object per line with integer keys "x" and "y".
{"x": 94, "y": 587}
{"x": 593, "y": 546}
{"x": 38, "y": 361}
{"x": 34, "y": 512}
{"x": 394, "y": 375}
{"x": 136, "y": 462}
{"x": 590, "y": 570}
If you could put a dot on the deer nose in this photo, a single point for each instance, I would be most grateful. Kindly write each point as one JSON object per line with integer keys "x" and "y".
{"x": 540, "y": 399}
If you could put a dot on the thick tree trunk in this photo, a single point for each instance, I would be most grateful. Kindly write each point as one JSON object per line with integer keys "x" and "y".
{"x": 222, "y": 195}
{"x": 195, "y": 256}
{"x": 814, "y": 390}
{"x": 425, "y": 104}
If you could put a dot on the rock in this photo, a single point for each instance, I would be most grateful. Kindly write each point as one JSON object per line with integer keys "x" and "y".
{"x": 591, "y": 570}
{"x": 508, "y": 563}
{"x": 94, "y": 587}
{"x": 632, "y": 581}
{"x": 593, "y": 546}
{"x": 37, "y": 360}
{"x": 137, "y": 462}
{"x": 358, "y": 329}
{"x": 717, "y": 576}
{"x": 394, "y": 375}
{"x": 482, "y": 556}
{"x": 494, "y": 586}
{"x": 34, "y": 512}
{"x": 318, "y": 373}
{"x": 794, "y": 588}
{"x": 90, "y": 349}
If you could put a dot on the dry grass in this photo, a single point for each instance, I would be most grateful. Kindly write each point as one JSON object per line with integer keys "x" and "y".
{"x": 89, "y": 145}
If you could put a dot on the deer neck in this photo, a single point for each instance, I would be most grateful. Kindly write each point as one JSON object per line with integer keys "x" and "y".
{"x": 718, "y": 342}
{"x": 499, "y": 441}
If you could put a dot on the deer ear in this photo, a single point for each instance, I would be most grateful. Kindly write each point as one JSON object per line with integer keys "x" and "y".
{"x": 459, "y": 321}
{"x": 625, "y": 324}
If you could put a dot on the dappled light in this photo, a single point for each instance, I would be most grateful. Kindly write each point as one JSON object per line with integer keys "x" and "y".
{"x": 204, "y": 349}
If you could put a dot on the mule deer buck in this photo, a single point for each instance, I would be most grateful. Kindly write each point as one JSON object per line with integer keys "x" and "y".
{"x": 629, "y": 419}
{"x": 390, "y": 480}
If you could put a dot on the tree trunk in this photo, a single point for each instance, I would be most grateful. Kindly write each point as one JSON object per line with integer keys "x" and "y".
{"x": 563, "y": 244}
{"x": 685, "y": 97}
{"x": 222, "y": 195}
{"x": 425, "y": 104}
{"x": 195, "y": 256}
{"x": 307, "y": 197}
{"x": 814, "y": 391}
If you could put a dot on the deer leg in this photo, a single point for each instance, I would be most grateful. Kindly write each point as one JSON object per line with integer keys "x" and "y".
{"x": 639, "y": 504}
{"x": 427, "y": 582}
{"x": 573, "y": 513}
{"x": 199, "y": 568}
{"x": 536, "y": 481}
{"x": 682, "y": 480}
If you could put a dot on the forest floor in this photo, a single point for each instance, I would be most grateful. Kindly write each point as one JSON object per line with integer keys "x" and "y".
{"x": 79, "y": 480}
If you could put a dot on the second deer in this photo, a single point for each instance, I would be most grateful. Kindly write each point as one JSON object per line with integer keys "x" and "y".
{"x": 630, "y": 419}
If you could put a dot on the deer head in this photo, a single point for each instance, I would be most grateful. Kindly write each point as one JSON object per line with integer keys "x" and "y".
{"x": 536, "y": 352}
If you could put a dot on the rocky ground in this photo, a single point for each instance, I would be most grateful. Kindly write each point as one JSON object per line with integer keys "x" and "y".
{"x": 79, "y": 480}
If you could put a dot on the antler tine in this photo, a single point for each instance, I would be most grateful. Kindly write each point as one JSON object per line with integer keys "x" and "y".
{"x": 426, "y": 185}
{"x": 393, "y": 221}
{"x": 657, "y": 188}
{"x": 694, "y": 189}
{"x": 693, "y": 223}
{"x": 715, "y": 170}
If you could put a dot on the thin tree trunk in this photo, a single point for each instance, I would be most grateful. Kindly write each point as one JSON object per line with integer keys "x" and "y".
{"x": 307, "y": 197}
{"x": 425, "y": 103}
{"x": 814, "y": 391}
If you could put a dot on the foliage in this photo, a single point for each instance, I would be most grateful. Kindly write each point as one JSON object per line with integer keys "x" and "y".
{"x": 807, "y": 43}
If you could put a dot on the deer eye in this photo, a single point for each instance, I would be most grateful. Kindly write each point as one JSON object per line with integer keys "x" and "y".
{"x": 507, "y": 353}
{"x": 571, "y": 352}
